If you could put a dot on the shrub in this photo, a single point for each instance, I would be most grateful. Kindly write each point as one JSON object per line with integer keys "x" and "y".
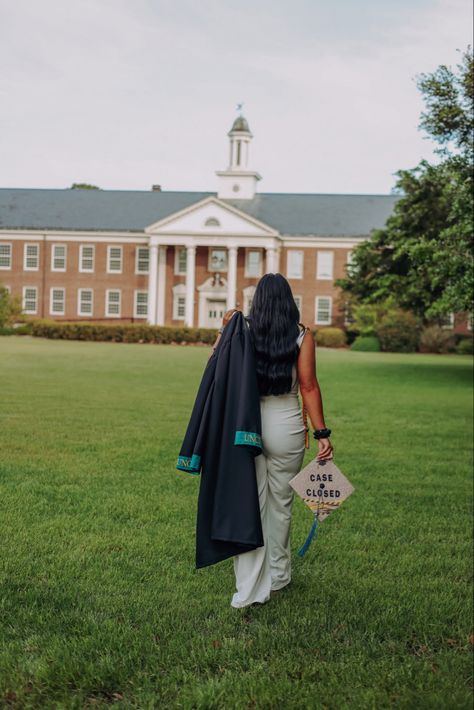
{"x": 434, "y": 339}
{"x": 399, "y": 331}
{"x": 366, "y": 343}
{"x": 122, "y": 332}
{"x": 465, "y": 346}
{"x": 4, "y": 330}
{"x": 330, "y": 337}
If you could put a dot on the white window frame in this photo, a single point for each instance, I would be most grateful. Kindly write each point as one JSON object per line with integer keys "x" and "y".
{"x": 136, "y": 314}
{"x": 177, "y": 251}
{"x": 450, "y": 324}
{"x": 316, "y": 309}
{"x": 319, "y": 274}
{"x": 247, "y": 273}
{"x": 138, "y": 260}
{"x": 300, "y": 306}
{"x": 470, "y": 321}
{"x": 52, "y": 312}
{"x": 179, "y": 291}
{"x": 23, "y": 300}
{"x": 80, "y": 312}
{"x": 107, "y": 304}
{"x": 10, "y": 256}
{"x": 291, "y": 252}
{"x": 109, "y": 258}
{"x": 220, "y": 270}
{"x": 248, "y": 292}
{"x": 82, "y": 270}
{"x": 25, "y": 256}
{"x": 53, "y": 257}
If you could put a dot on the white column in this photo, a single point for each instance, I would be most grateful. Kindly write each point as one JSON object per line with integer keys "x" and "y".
{"x": 160, "y": 307}
{"x": 270, "y": 261}
{"x": 152, "y": 284}
{"x": 190, "y": 282}
{"x": 231, "y": 276}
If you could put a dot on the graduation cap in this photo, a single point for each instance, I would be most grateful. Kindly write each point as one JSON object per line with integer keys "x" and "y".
{"x": 323, "y": 488}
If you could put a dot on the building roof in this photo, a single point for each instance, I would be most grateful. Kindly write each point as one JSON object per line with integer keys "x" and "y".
{"x": 240, "y": 124}
{"x": 133, "y": 210}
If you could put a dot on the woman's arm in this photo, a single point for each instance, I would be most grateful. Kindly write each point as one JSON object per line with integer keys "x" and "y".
{"x": 311, "y": 392}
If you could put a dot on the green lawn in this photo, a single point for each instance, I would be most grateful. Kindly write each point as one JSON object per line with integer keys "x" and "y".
{"x": 100, "y": 601}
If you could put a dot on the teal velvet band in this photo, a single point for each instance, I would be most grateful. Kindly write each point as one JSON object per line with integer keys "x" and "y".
{"x": 248, "y": 438}
{"x": 191, "y": 464}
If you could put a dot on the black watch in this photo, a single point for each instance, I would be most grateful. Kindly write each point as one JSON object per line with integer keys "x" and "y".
{"x": 322, "y": 433}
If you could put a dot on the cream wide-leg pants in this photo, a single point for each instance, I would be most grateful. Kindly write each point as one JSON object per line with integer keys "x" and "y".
{"x": 283, "y": 436}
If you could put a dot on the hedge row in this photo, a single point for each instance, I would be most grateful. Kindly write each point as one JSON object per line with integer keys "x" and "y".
{"x": 122, "y": 332}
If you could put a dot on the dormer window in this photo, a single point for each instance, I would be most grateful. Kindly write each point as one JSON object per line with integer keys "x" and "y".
{"x": 212, "y": 222}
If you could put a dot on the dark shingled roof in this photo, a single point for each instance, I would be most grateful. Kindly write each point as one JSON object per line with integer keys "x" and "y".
{"x": 132, "y": 210}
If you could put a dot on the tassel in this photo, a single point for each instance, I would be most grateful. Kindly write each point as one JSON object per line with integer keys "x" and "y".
{"x": 312, "y": 533}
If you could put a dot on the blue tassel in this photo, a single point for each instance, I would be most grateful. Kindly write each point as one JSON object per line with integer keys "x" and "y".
{"x": 312, "y": 533}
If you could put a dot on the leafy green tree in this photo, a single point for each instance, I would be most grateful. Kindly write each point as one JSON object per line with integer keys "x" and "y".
{"x": 83, "y": 186}
{"x": 10, "y": 307}
{"x": 423, "y": 257}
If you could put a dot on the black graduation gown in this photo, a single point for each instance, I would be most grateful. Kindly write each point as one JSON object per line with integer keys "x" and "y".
{"x": 221, "y": 441}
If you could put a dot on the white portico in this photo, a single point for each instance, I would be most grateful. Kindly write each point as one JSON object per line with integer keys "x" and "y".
{"x": 224, "y": 230}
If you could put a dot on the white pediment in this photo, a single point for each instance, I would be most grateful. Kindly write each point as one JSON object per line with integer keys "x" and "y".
{"x": 211, "y": 217}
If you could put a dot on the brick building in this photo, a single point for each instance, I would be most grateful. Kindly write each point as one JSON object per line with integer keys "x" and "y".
{"x": 174, "y": 258}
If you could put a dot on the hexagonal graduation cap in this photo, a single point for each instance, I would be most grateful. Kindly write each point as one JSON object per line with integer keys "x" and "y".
{"x": 323, "y": 488}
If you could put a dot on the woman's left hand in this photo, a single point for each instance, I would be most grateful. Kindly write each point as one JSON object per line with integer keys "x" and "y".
{"x": 326, "y": 450}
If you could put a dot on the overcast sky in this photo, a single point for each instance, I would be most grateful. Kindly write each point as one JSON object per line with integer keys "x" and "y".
{"x": 127, "y": 93}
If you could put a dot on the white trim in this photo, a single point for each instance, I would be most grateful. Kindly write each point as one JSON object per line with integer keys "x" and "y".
{"x": 25, "y": 256}
{"x": 75, "y": 236}
{"x": 52, "y": 312}
{"x": 79, "y": 303}
{"x": 219, "y": 203}
{"x": 53, "y": 257}
{"x": 179, "y": 292}
{"x": 10, "y": 256}
{"x": 294, "y": 251}
{"x": 319, "y": 266}
{"x": 316, "y": 309}
{"x": 248, "y": 293}
{"x": 109, "y": 249}
{"x": 450, "y": 318}
{"x": 35, "y": 289}
{"x": 177, "y": 251}
{"x": 317, "y": 241}
{"x": 470, "y": 321}
{"x": 246, "y": 272}
{"x": 136, "y": 292}
{"x": 210, "y": 268}
{"x": 300, "y": 306}
{"x": 137, "y": 260}
{"x": 81, "y": 257}
{"x": 108, "y": 291}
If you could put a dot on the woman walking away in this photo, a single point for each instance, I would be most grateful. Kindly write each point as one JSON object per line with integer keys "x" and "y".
{"x": 285, "y": 358}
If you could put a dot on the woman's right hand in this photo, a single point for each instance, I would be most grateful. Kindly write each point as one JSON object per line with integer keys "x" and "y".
{"x": 326, "y": 450}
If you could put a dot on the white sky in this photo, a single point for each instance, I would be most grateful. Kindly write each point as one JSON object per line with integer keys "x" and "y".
{"x": 127, "y": 93}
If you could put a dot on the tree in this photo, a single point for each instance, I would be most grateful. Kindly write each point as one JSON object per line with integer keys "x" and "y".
{"x": 83, "y": 186}
{"x": 10, "y": 307}
{"x": 423, "y": 257}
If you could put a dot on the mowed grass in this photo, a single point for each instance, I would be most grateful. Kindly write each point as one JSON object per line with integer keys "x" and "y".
{"x": 101, "y": 603}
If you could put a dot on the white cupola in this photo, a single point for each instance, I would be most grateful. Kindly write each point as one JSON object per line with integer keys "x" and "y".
{"x": 238, "y": 182}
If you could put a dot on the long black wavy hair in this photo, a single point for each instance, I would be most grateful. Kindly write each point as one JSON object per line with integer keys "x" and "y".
{"x": 273, "y": 320}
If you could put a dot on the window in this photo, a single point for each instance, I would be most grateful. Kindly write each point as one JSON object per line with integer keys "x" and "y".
{"x": 85, "y": 301}
{"x": 5, "y": 256}
{"x": 180, "y": 260}
{"x": 86, "y": 258}
{"x": 323, "y": 310}
{"x": 212, "y": 222}
{"x": 30, "y": 299}
{"x": 114, "y": 260}
{"x": 294, "y": 264}
{"x": 217, "y": 260}
{"x": 325, "y": 265}
{"x": 248, "y": 297}
{"x": 299, "y": 303}
{"x": 31, "y": 257}
{"x": 58, "y": 257}
{"x": 470, "y": 321}
{"x": 179, "y": 302}
{"x": 142, "y": 263}
{"x": 56, "y": 301}
{"x": 447, "y": 321}
{"x": 253, "y": 262}
{"x": 140, "y": 306}
{"x": 113, "y": 298}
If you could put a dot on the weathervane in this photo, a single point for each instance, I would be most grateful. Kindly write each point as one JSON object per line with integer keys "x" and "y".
{"x": 239, "y": 107}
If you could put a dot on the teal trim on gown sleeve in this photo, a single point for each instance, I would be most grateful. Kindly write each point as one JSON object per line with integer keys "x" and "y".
{"x": 248, "y": 438}
{"x": 191, "y": 464}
